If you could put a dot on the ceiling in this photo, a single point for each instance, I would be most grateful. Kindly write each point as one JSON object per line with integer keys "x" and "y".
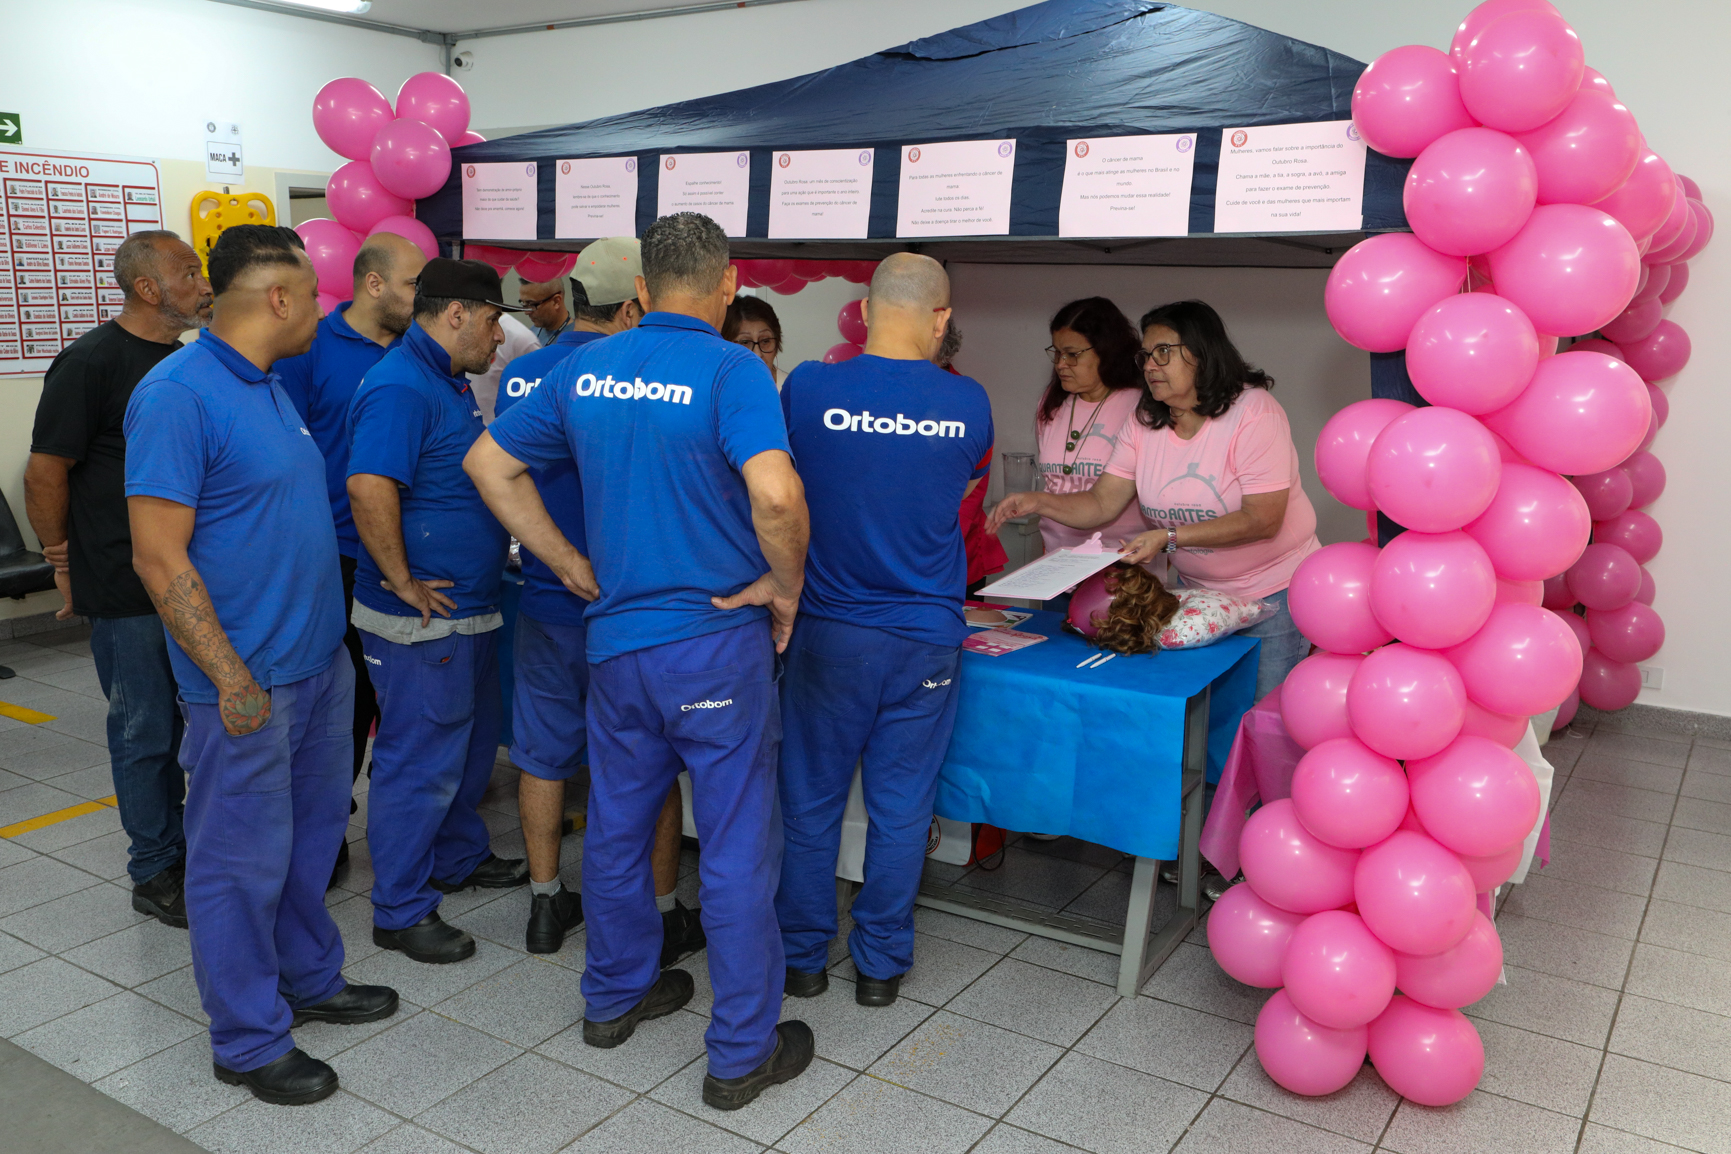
{"x": 467, "y": 16}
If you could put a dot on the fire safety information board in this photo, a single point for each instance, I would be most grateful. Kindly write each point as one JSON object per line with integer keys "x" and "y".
{"x": 61, "y": 218}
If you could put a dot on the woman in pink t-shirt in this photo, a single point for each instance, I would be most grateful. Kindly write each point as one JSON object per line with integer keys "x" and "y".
{"x": 1094, "y": 389}
{"x": 1209, "y": 462}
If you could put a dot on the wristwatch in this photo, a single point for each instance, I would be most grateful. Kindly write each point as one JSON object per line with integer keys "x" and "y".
{"x": 1171, "y": 541}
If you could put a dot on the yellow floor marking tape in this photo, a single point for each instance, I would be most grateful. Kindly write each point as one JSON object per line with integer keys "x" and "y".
{"x": 19, "y": 713}
{"x": 58, "y": 816}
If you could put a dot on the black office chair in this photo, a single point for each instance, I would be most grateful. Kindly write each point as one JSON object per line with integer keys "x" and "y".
{"x": 21, "y": 571}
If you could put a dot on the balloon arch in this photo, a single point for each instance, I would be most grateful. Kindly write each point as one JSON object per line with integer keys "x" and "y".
{"x": 1516, "y": 584}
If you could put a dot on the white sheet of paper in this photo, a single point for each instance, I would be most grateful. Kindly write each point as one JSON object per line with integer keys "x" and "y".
{"x": 1044, "y": 579}
{"x": 1128, "y": 186}
{"x": 1291, "y": 178}
{"x": 961, "y": 188}
{"x": 595, "y": 198}
{"x": 825, "y": 194}
{"x": 499, "y": 201}
{"x": 717, "y": 184}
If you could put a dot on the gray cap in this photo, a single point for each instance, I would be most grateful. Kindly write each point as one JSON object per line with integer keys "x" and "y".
{"x": 608, "y": 270}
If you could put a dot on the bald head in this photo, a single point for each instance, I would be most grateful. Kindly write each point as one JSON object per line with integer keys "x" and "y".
{"x": 386, "y": 269}
{"x": 383, "y": 253}
{"x": 910, "y": 281}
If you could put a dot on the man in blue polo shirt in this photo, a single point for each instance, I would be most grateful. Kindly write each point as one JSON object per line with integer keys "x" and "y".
{"x": 888, "y": 444}
{"x": 696, "y": 524}
{"x": 232, "y": 540}
{"x": 427, "y": 606}
{"x": 321, "y": 382}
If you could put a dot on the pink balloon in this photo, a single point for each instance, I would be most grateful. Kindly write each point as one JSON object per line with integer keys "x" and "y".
{"x": 1474, "y": 352}
{"x": 1535, "y": 526}
{"x": 1594, "y": 79}
{"x": 1648, "y": 589}
{"x": 1678, "y": 282}
{"x": 468, "y": 138}
{"x": 1460, "y": 975}
{"x": 1689, "y": 187}
{"x": 1407, "y": 98}
{"x": 1433, "y": 469}
{"x": 1663, "y": 352}
{"x": 1521, "y": 70}
{"x": 1414, "y": 894}
{"x": 411, "y": 229}
{"x": 328, "y": 304}
{"x": 1607, "y": 493}
{"x": 789, "y": 287}
{"x": 1313, "y": 698}
{"x": 1329, "y": 598}
{"x": 1406, "y": 702}
{"x": 851, "y": 322}
{"x": 1587, "y": 152}
{"x": 1475, "y": 797}
{"x": 411, "y": 159}
{"x": 1605, "y": 577}
{"x": 1306, "y": 1057}
{"x": 1520, "y": 592}
{"x": 1661, "y": 404}
{"x": 1248, "y": 936}
{"x": 1571, "y": 268}
{"x": 545, "y": 266}
{"x": 1583, "y": 412}
{"x": 347, "y": 114}
{"x": 1432, "y": 590}
{"x": 858, "y": 271}
{"x": 1646, "y": 479}
{"x": 1609, "y": 685}
{"x": 1470, "y": 191}
{"x": 503, "y": 260}
{"x": 359, "y": 201}
{"x": 1655, "y": 278}
{"x": 1382, "y": 285}
{"x": 1633, "y": 530}
{"x": 1490, "y": 872}
{"x": 1504, "y": 729}
{"x": 1291, "y": 867}
{"x": 1629, "y": 633}
{"x": 1482, "y": 15}
{"x": 435, "y": 100}
{"x": 1347, "y": 795}
{"x": 1558, "y": 595}
{"x": 1703, "y": 229}
{"x": 1429, "y": 1056}
{"x": 1565, "y": 714}
{"x": 1652, "y": 433}
{"x": 1634, "y": 323}
{"x": 1523, "y": 662}
{"x": 1336, "y": 972}
{"x": 1343, "y": 448}
{"x": 1677, "y": 222}
{"x": 1645, "y": 201}
{"x": 331, "y": 248}
{"x": 1578, "y": 626}
{"x": 1597, "y": 345}
{"x": 836, "y": 354}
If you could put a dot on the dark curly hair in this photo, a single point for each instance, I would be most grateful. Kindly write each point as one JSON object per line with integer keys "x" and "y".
{"x": 1221, "y": 371}
{"x": 1114, "y": 341}
{"x": 750, "y": 309}
{"x": 1141, "y": 607}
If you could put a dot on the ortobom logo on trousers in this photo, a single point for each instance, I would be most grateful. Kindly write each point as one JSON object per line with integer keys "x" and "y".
{"x": 705, "y": 705}
{"x": 588, "y": 385}
{"x": 840, "y": 420}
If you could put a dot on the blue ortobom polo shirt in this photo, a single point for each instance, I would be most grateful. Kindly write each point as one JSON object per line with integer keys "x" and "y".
{"x": 321, "y": 382}
{"x": 208, "y": 429}
{"x": 659, "y": 419}
{"x": 545, "y": 597}
{"x": 414, "y": 422}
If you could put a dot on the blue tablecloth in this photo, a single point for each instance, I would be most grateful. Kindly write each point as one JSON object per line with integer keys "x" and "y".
{"x": 1095, "y": 753}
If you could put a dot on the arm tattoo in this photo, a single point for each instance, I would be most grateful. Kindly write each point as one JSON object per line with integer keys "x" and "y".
{"x": 186, "y": 609}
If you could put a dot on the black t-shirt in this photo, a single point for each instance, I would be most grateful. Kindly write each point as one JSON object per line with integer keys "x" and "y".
{"x": 82, "y": 415}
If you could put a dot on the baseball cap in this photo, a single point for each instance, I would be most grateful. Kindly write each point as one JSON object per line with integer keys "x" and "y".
{"x": 468, "y": 280}
{"x": 608, "y": 270}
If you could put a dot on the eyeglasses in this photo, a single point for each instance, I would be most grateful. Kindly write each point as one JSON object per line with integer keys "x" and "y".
{"x": 1068, "y": 356}
{"x": 1161, "y": 355}
{"x": 533, "y": 305}
{"x": 769, "y": 345}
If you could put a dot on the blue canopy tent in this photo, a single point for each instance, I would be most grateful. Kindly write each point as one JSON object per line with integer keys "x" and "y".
{"x": 1042, "y": 75}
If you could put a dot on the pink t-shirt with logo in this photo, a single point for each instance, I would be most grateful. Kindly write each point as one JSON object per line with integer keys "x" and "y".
{"x": 1247, "y": 449}
{"x": 1087, "y": 461}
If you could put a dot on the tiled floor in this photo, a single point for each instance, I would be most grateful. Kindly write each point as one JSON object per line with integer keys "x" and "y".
{"x": 1612, "y": 1035}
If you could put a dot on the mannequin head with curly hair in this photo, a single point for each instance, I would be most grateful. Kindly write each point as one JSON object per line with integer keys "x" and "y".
{"x": 1141, "y": 608}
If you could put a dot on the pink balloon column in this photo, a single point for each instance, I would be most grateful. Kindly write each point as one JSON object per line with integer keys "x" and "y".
{"x": 1535, "y": 209}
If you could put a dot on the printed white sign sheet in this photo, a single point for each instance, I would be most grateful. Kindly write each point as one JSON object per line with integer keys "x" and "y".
{"x": 824, "y": 194}
{"x": 499, "y": 201}
{"x": 1127, "y": 186}
{"x": 595, "y": 198}
{"x": 1291, "y": 178}
{"x": 960, "y": 188}
{"x": 717, "y": 184}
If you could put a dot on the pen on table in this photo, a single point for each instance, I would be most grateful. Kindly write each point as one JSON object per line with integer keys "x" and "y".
{"x": 1104, "y": 659}
{"x": 1088, "y": 660}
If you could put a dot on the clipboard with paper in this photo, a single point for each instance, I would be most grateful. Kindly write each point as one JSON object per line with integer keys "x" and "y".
{"x": 1055, "y": 573}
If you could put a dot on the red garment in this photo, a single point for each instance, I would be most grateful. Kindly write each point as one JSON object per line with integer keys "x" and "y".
{"x": 985, "y": 552}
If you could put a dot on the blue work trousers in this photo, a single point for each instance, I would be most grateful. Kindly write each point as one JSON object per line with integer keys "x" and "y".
{"x": 264, "y": 816}
{"x": 853, "y": 695}
{"x": 144, "y": 732}
{"x": 548, "y": 729}
{"x": 706, "y": 705}
{"x": 439, "y": 716}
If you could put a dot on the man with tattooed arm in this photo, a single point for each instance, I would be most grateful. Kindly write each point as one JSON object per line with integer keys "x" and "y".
{"x": 233, "y": 539}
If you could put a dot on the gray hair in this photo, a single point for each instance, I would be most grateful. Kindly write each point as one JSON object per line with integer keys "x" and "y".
{"x": 910, "y": 281}
{"x": 137, "y": 257}
{"x": 685, "y": 252}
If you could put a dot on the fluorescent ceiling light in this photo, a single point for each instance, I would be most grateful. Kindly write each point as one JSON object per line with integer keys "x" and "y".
{"x": 355, "y": 7}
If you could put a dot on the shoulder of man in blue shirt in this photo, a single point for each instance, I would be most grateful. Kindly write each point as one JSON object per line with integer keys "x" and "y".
{"x": 524, "y": 373}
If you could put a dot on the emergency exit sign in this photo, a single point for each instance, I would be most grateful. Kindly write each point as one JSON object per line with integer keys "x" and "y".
{"x": 11, "y": 128}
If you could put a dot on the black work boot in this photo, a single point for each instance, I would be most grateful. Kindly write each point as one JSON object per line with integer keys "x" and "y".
{"x": 494, "y": 873}
{"x": 163, "y": 896}
{"x": 294, "y": 1079}
{"x": 800, "y": 984}
{"x": 551, "y": 916}
{"x": 794, "y": 1047}
{"x": 351, "y": 1006}
{"x": 681, "y": 934}
{"x": 877, "y": 991}
{"x": 671, "y": 991}
{"x": 429, "y": 940}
